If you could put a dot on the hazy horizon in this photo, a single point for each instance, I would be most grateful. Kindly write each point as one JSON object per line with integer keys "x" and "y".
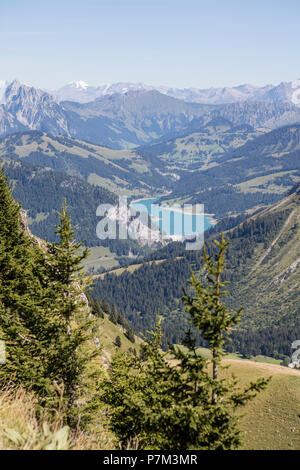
{"x": 196, "y": 44}
{"x": 156, "y": 85}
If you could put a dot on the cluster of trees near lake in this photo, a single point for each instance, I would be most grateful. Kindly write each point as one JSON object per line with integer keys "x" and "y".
{"x": 162, "y": 402}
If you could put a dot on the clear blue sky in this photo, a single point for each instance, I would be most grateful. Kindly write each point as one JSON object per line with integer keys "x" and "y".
{"x": 182, "y": 43}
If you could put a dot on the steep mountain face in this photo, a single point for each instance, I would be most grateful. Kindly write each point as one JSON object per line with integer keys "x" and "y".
{"x": 269, "y": 115}
{"x": 3, "y": 86}
{"x": 137, "y": 117}
{"x": 267, "y": 281}
{"x": 9, "y": 123}
{"x": 129, "y": 119}
{"x": 285, "y": 92}
{"x": 139, "y": 103}
{"x": 258, "y": 115}
{"x": 34, "y": 109}
{"x": 146, "y": 116}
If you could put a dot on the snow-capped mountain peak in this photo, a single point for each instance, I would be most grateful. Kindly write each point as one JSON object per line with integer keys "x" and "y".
{"x": 288, "y": 92}
{"x": 80, "y": 84}
{"x": 82, "y": 92}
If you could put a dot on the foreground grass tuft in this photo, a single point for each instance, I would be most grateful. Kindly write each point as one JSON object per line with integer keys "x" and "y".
{"x": 21, "y": 429}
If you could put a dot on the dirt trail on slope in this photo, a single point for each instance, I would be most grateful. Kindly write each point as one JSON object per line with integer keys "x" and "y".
{"x": 274, "y": 241}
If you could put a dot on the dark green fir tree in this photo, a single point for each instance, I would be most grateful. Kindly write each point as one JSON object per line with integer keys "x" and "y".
{"x": 44, "y": 316}
{"x": 68, "y": 282}
{"x": 179, "y": 399}
{"x": 23, "y": 324}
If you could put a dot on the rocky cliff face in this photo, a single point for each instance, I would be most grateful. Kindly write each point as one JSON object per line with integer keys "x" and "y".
{"x": 255, "y": 114}
{"x": 30, "y": 108}
{"x": 8, "y": 123}
{"x": 24, "y": 226}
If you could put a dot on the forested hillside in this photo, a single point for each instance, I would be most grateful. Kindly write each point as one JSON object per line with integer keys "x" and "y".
{"x": 41, "y": 191}
{"x": 149, "y": 228}
{"x": 202, "y": 148}
{"x": 263, "y": 268}
{"x": 251, "y": 175}
{"x": 127, "y": 171}
{"x": 64, "y": 364}
{"x": 41, "y": 180}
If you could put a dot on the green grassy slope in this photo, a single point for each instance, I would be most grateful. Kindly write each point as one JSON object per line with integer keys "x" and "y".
{"x": 203, "y": 148}
{"x": 107, "y": 333}
{"x": 267, "y": 282}
{"x": 252, "y": 175}
{"x": 121, "y": 171}
{"x": 271, "y": 420}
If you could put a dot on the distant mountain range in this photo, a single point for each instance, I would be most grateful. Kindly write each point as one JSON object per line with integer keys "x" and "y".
{"x": 129, "y": 118}
{"x": 82, "y": 92}
{"x": 118, "y": 121}
{"x": 285, "y": 92}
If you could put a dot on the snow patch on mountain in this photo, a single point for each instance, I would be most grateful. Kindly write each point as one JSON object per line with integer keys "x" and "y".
{"x": 3, "y": 86}
{"x": 80, "y": 84}
{"x": 284, "y": 92}
{"x": 295, "y": 99}
{"x": 81, "y": 92}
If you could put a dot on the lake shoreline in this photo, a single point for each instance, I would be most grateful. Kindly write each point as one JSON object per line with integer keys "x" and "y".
{"x": 189, "y": 211}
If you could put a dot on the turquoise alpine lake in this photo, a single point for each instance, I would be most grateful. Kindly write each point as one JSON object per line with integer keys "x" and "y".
{"x": 174, "y": 221}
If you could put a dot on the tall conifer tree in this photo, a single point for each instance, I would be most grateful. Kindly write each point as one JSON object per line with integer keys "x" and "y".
{"x": 180, "y": 400}
{"x": 21, "y": 297}
{"x": 68, "y": 284}
{"x": 43, "y": 310}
